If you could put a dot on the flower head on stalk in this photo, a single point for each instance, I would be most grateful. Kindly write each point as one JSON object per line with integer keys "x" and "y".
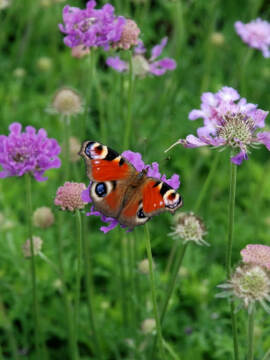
{"x": 189, "y": 228}
{"x": 68, "y": 196}
{"x": 249, "y": 283}
{"x": 136, "y": 160}
{"x": 256, "y": 34}
{"x": 256, "y": 254}
{"x": 141, "y": 65}
{"x": 229, "y": 121}
{"x": 66, "y": 102}
{"x": 28, "y": 152}
{"x": 91, "y": 27}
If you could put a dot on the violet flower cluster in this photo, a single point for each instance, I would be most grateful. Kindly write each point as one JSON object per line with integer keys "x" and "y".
{"x": 228, "y": 120}
{"x": 143, "y": 66}
{"x": 256, "y": 34}
{"x": 136, "y": 160}
{"x": 91, "y": 27}
{"x": 29, "y": 151}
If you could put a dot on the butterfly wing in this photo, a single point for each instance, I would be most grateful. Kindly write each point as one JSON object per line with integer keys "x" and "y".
{"x": 149, "y": 199}
{"x": 110, "y": 174}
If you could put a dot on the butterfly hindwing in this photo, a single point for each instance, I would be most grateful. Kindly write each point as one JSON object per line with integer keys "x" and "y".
{"x": 158, "y": 196}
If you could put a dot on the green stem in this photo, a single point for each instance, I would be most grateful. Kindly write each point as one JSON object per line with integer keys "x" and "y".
{"x": 266, "y": 355}
{"x": 66, "y": 159}
{"x": 233, "y": 174}
{"x": 100, "y": 99}
{"x": 33, "y": 266}
{"x": 198, "y": 203}
{"x": 153, "y": 290}
{"x": 171, "y": 286}
{"x": 78, "y": 275}
{"x": 129, "y": 105}
{"x": 90, "y": 293}
{"x": 171, "y": 258}
{"x": 71, "y": 336}
{"x": 178, "y": 262}
{"x": 250, "y": 339}
{"x": 123, "y": 283}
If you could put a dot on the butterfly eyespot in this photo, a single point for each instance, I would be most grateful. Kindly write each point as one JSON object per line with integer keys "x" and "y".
{"x": 140, "y": 214}
{"x": 101, "y": 189}
{"x": 95, "y": 150}
{"x": 172, "y": 199}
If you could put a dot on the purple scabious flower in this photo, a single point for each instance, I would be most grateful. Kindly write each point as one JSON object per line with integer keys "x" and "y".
{"x": 228, "y": 121}
{"x": 256, "y": 34}
{"x": 143, "y": 66}
{"x": 29, "y": 151}
{"x": 136, "y": 160}
{"x": 91, "y": 27}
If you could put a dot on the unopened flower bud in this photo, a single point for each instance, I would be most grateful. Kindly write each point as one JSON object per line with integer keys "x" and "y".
{"x": 140, "y": 66}
{"x": 217, "y": 38}
{"x": 19, "y": 73}
{"x": 148, "y": 326}
{"x": 67, "y": 102}
{"x": 143, "y": 266}
{"x": 37, "y": 245}
{"x": 44, "y": 63}
{"x": 43, "y": 217}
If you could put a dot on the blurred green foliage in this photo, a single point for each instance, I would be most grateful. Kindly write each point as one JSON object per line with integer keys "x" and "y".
{"x": 197, "y": 324}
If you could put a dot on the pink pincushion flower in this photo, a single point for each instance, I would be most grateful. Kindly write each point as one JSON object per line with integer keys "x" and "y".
{"x": 256, "y": 34}
{"x": 228, "y": 121}
{"x": 68, "y": 196}
{"x": 91, "y": 27}
{"x": 257, "y": 254}
{"x": 129, "y": 36}
{"x": 136, "y": 160}
{"x": 142, "y": 65}
{"x": 29, "y": 151}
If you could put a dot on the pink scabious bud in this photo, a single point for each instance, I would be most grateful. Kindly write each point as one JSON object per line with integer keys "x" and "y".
{"x": 68, "y": 196}
{"x": 43, "y": 217}
{"x": 130, "y": 35}
{"x": 37, "y": 246}
{"x": 80, "y": 51}
{"x": 256, "y": 254}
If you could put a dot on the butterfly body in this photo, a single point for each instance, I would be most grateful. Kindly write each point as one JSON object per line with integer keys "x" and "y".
{"x": 118, "y": 190}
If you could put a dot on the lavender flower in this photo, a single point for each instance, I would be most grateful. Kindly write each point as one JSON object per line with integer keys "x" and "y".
{"x": 29, "y": 151}
{"x": 136, "y": 160}
{"x": 91, "y": 27}
{"x": 228, "y": 121}
{"x": 143, "y": 66}
{"x": 256, "y": 34}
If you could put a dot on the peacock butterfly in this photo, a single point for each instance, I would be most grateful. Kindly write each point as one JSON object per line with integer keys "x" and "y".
{"x": 119, "y": 191}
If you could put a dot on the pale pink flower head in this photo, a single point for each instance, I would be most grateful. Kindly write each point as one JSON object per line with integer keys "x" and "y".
{"x": 68, "y": 196}
{"x": 130, "y": 35}
{"x": 256, "y": 254}
{"x": 256, "y": 34}
{"x": 80, "y": 51}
